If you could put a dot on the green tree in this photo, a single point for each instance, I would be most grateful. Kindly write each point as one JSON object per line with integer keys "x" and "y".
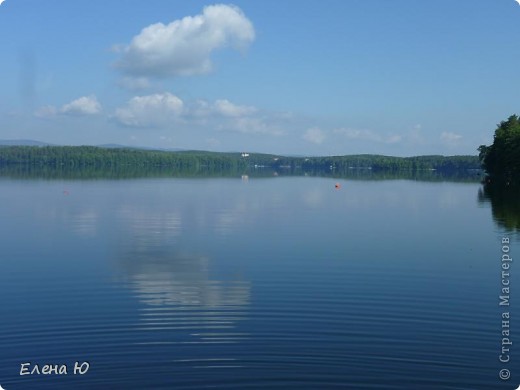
{"x": 501, "y": 160}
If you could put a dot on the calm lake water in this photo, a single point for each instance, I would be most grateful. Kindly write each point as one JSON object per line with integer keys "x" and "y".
{"x": 275, "y": 283}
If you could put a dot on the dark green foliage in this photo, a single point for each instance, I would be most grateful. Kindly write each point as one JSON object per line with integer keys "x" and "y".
{"x": 90, "y": 156}
{"x": 501, "y": 160}
{"x": 69, "y": 157}
{"x": 370, "y": 161}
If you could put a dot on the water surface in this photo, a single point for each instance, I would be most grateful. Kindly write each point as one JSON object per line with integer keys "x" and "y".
{"x": 230, "y": 283}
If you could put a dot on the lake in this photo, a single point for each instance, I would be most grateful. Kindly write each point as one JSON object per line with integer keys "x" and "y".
{"x": 254, "y": 282}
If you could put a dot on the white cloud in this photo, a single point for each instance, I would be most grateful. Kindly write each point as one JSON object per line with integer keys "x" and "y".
{"x": 450, "y": 139}
{"x": 226, "y": 108}
{"x": 200, "y": 109}
{"x": 86, "y": 105}
{"x": 219, "y": 108}
{"x": 184, "y": 46}
{"x": 226, "y": 116}
{"x": 150, "y": 110}
{"x": 314, "y": 135}
{"x": 164, "y": 108}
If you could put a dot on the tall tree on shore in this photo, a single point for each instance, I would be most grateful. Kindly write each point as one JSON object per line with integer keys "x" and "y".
{"x": 501, "y": 160}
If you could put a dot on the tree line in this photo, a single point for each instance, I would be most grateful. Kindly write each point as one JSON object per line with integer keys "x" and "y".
{"x": 501, "y": 160}
{"x": 91, "y": 156}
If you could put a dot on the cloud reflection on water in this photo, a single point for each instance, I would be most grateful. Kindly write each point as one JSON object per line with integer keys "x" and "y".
{"x": 175, "y": 287}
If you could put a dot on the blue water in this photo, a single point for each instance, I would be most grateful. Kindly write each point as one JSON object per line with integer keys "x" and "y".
{"x": 271, "y": 283}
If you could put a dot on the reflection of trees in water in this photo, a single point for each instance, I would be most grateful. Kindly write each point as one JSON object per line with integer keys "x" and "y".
{"x": 134, "y": 172}
{"x": 505, "y": 204}
{"x": 462, "y": 175}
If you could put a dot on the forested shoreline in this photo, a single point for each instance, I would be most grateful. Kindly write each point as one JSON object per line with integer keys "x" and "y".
{"x": 501, "y": 159}
{"x": 92, "y": 156}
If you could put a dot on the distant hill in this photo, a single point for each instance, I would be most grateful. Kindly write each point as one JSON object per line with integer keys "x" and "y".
{"x": 118, "y": 146}
{"x": 30, "y": 142}
{"x": 22, "y": 142}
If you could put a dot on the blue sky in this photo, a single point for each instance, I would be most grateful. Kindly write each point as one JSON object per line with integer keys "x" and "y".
{"x": 394, "y": 77}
